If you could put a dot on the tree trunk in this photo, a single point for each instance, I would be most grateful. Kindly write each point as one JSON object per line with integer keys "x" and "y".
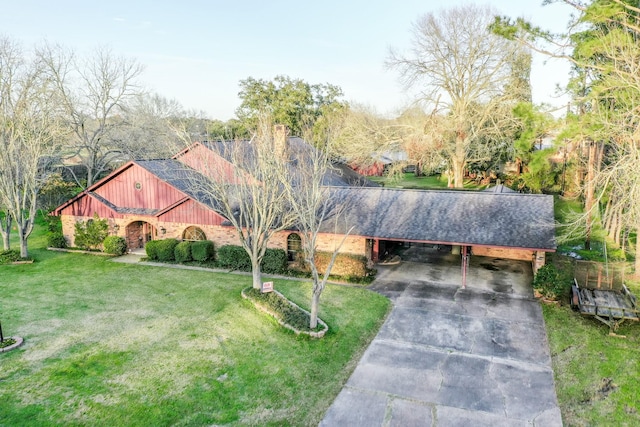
{"x": 418, "y": 171}
{"x": 6, "y": 231}
{"x": 24, "y": 251}
{"x": 611, "y": 223}
{"x": 458, "y": 162}
{"x": 257, "y": 274}
{"x": 589, "y": 194}
{"x": 618, "y": 231}
{"x": 6, "y": 245}
{"x": 315, "y": 303}
{"x": 637, "y": 263}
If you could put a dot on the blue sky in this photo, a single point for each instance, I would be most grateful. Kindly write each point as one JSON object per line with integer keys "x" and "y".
{"x": 198, "y": 51}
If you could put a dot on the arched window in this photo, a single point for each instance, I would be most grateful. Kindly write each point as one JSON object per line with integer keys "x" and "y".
{"x": 294, "y": 246}
{"x": 193, "y": 233}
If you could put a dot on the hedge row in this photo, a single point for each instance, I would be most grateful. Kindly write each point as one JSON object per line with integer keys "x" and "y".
{"x": 232, "y": 257}
{"x": 283, "y": 309}
{"x": 174, "y": 250}
{"x": 236, "y": 258}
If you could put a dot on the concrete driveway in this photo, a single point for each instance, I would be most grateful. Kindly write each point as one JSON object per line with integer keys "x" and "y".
{"x": 448, "y": 356}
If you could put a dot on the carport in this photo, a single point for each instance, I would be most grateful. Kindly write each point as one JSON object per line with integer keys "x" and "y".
{"x": 510, "y": 226}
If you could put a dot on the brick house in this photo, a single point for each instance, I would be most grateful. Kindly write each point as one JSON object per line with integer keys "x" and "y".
{"x": 152, "y": 199}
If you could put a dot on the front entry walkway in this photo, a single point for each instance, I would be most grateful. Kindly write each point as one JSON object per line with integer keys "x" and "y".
{"x": 450, "y": 356}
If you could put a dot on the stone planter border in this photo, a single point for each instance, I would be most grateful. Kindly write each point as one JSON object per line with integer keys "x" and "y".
{"x": 314, "y": 334}
{"x": 17, "y": 344}
{"x": 29, "y": 261}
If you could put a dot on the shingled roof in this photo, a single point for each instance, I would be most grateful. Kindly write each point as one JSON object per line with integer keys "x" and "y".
{"x": 339, "y": 175}
{"x": 182, "y": 178}
{"x": 454, "y": 217}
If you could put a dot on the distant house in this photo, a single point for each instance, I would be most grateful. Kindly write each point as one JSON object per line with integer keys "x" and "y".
{"x": 152, "y": 199}
{"x": 380, "y": 163}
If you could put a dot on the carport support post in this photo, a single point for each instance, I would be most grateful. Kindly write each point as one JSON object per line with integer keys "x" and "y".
{"x": 465, "y": 264}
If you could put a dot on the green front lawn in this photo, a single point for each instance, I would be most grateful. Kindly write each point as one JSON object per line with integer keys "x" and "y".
{"x": 115, "y": 344}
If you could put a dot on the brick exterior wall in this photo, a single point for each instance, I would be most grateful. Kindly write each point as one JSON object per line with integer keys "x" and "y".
{"x": 506, "y": 253}
{"x": 220, "y": 235}
{"x": 539, "y": 260}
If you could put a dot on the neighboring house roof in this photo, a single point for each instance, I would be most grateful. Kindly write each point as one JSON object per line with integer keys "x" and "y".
{"x": 456, "y": 217}
{"x": 389, "y": 157}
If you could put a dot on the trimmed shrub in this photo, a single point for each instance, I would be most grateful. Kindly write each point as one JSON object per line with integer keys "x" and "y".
{"x": 551, "y": 282}
{"x": 182, "y": 252}
{"x": 115, "y": 245}
{"x": 346, "y": 265}
{"x": 166, "y": 249}
{"x": 151, "y": 248}
{"x": 234, "y": 258}
{"x": 91, "y": 233}
{"x": 275, "y": 261}
{"x": 9, "y": 256}
{"x": 202, "y": 250}
{"x": 56, "y": 240}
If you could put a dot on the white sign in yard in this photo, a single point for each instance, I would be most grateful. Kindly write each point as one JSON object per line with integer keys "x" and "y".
{"x": 267, "y": 287}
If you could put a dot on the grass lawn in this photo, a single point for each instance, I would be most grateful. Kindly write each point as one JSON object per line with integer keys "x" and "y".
{"x": 596, "y": 374}
{"x": 114, "y": 344}
{"x": 411, "y": 181}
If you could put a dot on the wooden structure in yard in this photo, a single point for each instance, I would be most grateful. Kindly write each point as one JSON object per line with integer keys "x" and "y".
{"x": 599, "y": 291}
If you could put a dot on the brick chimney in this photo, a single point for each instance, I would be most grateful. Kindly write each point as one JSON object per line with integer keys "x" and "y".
{"x": 280, "y": 140}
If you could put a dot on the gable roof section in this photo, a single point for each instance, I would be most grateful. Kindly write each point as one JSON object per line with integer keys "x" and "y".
{"x": 89, "y": 191}
{"x": 455, "y": 217}
{"x": 340, "y": 175}
{"x": 172, "y": 172}
{"x": 182, "y": 178}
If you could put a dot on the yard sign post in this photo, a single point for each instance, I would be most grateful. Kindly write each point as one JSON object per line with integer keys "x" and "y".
{"x": 267, "y": 287}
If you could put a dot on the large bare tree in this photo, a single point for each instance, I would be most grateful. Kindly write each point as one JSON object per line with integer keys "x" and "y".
{"x": 250, "y": 194}
{"x": 94, "y": 94}
{"x": 148, "y": 128}
{"x": 310, "y": 202}
{"x": 29, "y": 133}
{"x": 468, "y": 77}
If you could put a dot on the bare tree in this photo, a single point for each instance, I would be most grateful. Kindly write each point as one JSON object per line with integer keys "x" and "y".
{"x": 5, "y": 227}
{"x": 148, "y": 128}
{"x": 249, "y": 194}
{"x": 310, "y": 202}
{"x": 29, "y": 132}
{"x": 466, "y": 76}
{"x": 93, "y": 95}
